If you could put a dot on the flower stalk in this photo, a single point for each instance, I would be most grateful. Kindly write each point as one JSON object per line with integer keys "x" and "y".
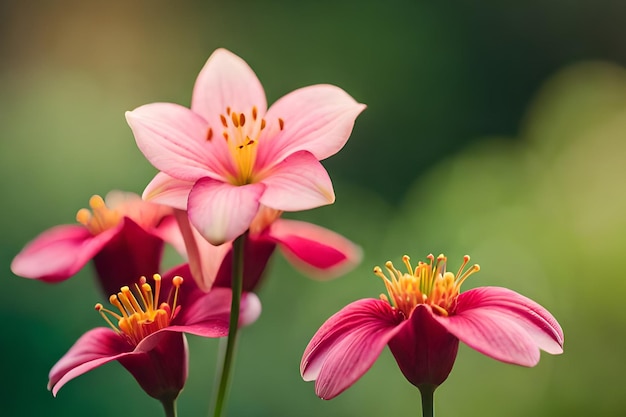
{"x": 169, "y": 407}
{"x": 428, "y": 401}
{"x": 229, "y": 354}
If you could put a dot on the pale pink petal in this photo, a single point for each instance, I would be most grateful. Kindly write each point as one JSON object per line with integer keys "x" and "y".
{"x": 300, "y": 182}
{"x": 317, "y": 251}
{"x": 205, "y": 259}
{"x": 169, "y": 191}
{"x": 169, "y": 232}
{"x": 536, "y": 320}
{"x": 226, "y": 81}
{"x": 175, "y": 140}
{"x": 221, "y": 211}
{"x": 94, "y": 348}
{"x": 347, "y": 345}
{"x": 60, "y": 252}
{"x": 318, "y": 119}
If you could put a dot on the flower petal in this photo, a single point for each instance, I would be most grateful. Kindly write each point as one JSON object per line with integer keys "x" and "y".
{"x": 300, "y": 182}
{"x": 129, "y": 254}
{"x": 347, "y": 345}
{"x": 94, "y": 348}
{"x": 60, "y": 252}
{"x": 205, "y": 260}
{"x": 163, "y": 371}
{"x": 175, "y": 141}
{"x": 169, "y": 191}
{"x": 221, "y": 211}
{"x": 226, "y": 80}
{"x": 209, "y": 313}
{"x": 503, "y": 325}
{"x": 536, "y": 320}
{"x": 317, "y": 251}
{"x": 318, "y": 119}
{"x": 424, "y": 350}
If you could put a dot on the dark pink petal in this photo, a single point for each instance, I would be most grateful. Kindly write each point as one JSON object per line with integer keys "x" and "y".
{"x": 256, "y": 254}
{"x": 318, "y": 119}
{"x": 175, "y": 140}
{"x": 347, "y": 345}
{"x": 226, "y": 81}
{"x": 503, "y": 325}
{"x": 317, "y": 251}
{"x": 424, "y": 350}
{"x": 94, "y": 348}
{"x": 208, "y": 315}
{"x": 131, "y": 253}
{"x": 161, "y": 370}
{"x": 59, "y": 253}
{"x": 222, "y": 211}
{"x": 168, "y": 191}
{"x": 300, "y": 182}
{"x": 536, "y": 320}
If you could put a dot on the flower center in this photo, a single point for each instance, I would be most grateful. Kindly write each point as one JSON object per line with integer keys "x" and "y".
{"x": 140, "y": 314}
{"x": 242, "y": 132}
{"x": 100, "y": 218}
{"x": 429, "y": 283}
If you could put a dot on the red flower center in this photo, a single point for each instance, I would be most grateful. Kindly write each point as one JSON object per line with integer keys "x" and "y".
{"x": 429, "y": 283}
{"x": 140, "y": 313}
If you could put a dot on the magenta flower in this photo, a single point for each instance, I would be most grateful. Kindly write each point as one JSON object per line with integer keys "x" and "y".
{"x": 422, "y": 321}
{"x": 148, "y": 335}
{"x": 316, "y": 251}
{"x": 228, "y": 156}
{"x": 123, "y": 236}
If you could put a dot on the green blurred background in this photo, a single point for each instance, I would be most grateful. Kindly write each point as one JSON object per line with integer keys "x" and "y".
{"x": 496, "y": 129}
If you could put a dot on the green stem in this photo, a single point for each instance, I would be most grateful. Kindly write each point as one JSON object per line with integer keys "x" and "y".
{"x": 169, "y": 406}
{"x": 428, "y": 403}
{"x": 233, "y": 326}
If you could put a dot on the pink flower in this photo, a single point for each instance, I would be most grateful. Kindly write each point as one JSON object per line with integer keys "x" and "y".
{"x": 316, "y": 251}
{"x": 422, "y": 321}
{"x": 123, "y": 236}
{"x": 148, "y": 337}
{"x": 227, "y": 156}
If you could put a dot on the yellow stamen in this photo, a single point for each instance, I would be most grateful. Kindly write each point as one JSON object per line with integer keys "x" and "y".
{"x": 100, "y": 218}
{"x": 137, "y": 320}
{"x": 427, "y": 283}
{"x": 242, "y": 131}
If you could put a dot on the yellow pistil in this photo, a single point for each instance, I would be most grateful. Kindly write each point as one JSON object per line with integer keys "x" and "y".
{"x": 242, "y": 132}
{"x": 100, "y": 218}
{"x": 427, "y": 283}
{"x": 140, "y": 313}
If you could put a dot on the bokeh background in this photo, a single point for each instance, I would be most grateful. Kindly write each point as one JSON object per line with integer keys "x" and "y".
{"x": 496, "y": 129}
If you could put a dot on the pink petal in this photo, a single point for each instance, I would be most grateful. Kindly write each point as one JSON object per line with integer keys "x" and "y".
{"x": 347, "y": 345}
{"x": 205, "y": 259}
{"x": 161, "y": 371}
{"x": 503, "y": 325}
{"x": 424, "y": 350}
{"x": 175, "y": 141}
{"x": 319, "y": 252}
{"x": 226, "y": 81}
{"x": 60, "y": 252}
{"x": 169, "y": 191}
{"x": 318, "y": 119}
{"x": 208, "y": 315}
{"x": 221, "y": 211}
{"x": 129, "y": 254}
{"x": 536, "y": 320}
{"x": 300, "y": 182}
{"x": 94, "y": 348}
